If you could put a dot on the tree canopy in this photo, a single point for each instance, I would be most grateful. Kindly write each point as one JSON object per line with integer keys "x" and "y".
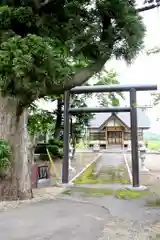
{"x": 48, "y": 47}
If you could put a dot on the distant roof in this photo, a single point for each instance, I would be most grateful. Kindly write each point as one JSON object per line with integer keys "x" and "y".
{"x": 100, "y": 118}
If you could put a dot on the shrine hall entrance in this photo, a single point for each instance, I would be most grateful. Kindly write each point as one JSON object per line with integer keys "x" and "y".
{"x": 115, "y": 137}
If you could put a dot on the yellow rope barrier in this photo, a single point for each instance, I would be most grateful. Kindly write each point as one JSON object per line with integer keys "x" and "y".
{"x": 52, "y": 165}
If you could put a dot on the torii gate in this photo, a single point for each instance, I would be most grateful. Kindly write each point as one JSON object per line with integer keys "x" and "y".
{"x": 133, "y": 118}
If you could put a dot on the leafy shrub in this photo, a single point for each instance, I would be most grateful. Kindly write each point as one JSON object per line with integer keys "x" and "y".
{"x": 44, "y": 157}
{"x": 41, "y": 148}
{"x": 55, "y": 151}
{"x": 60, "y": 154}
{"x": 5, "y": 161}
{"x": 54, "y": 147}
{"x": 56, "y": 142}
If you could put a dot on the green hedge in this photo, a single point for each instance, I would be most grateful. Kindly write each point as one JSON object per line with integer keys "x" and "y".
{"x": 41, "y": 148}
{"x": 55, "y": 148}
{"x": 58, "y": 143}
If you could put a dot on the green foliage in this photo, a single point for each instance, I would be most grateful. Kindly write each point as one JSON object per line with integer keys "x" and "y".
{"x": 86, "y": 176}
{"x": 41, "y": 148}
{"x": 45, "y": 47}
{"x": 44, "y": 157}
{"x": 100, "y": 192}
{"x": 153, "y": 145}
{"x": 55, "y": 142}
{"x": 108, "y": 99}
{"x": 112, "y": 175}
{"x": 55, "y": 151}
{"x": 40, "y": 121}
{"x": 22, "y": 60}
{"x": 5, "y": 162}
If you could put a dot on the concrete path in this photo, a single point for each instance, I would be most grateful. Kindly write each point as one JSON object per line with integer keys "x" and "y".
{"x": 53, "y": 220}
{"x": 111, "y": 159}
{"x": 78, "y": 217}
{"x": 129, "y": 219}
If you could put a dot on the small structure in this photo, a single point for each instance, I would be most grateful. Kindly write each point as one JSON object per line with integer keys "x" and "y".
{"x": 142, "y": 158}
{"x": 114, "y": 128}
{"x": 70, "y": 158}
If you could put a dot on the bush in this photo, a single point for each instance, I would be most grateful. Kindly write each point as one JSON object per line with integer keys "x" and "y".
{"x": 41, "y": 148}
{"x": 56, "y": 142}
{"x": 54, "y": 150}
{"x": 60, "y": 154}
{"x": 44, "y": 157}
{"x": 5, "y": 161}
{"x": 54, "y": 147}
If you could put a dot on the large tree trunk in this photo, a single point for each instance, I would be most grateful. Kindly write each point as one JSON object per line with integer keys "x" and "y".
{"x": 57, "y": 129}
{"x": 31, "y": 148}
{"x": 14, "y": 130}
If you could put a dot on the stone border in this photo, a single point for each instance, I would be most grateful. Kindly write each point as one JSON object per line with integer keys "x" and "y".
{"x": 128, "y": 168}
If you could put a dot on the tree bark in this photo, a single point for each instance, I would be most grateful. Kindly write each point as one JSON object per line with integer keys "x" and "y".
{"x": 86, "y": 73}
{"x": 31, "y": 149}
{"x": 14, "y": 130}
{"x": 79, "y": 78}
{"x": 57, "y": 129}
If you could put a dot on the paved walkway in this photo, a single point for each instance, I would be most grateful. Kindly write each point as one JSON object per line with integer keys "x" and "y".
{"x": 111, "y": 159}
{"x": 127, "y": 219}
{"x": 79, "y": 216}
{"x": 54, "y": 220}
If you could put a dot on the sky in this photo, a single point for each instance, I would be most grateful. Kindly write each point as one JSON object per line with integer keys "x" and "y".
{"x": 144, "y": 70}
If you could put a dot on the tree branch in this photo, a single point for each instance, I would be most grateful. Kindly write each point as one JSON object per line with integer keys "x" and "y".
{"x": 86, "y": 73}
{"x": 146, "y": 8}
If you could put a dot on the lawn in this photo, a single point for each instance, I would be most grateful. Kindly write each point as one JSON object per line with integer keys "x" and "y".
{"x": 154, "y": 145}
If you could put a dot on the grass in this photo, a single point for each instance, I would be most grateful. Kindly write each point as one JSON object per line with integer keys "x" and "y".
{"x": 154, "y": 145}
{"x": 110, "y": 175}
{"x": 120, "y": 194}
{"x": 86, "y": 176}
